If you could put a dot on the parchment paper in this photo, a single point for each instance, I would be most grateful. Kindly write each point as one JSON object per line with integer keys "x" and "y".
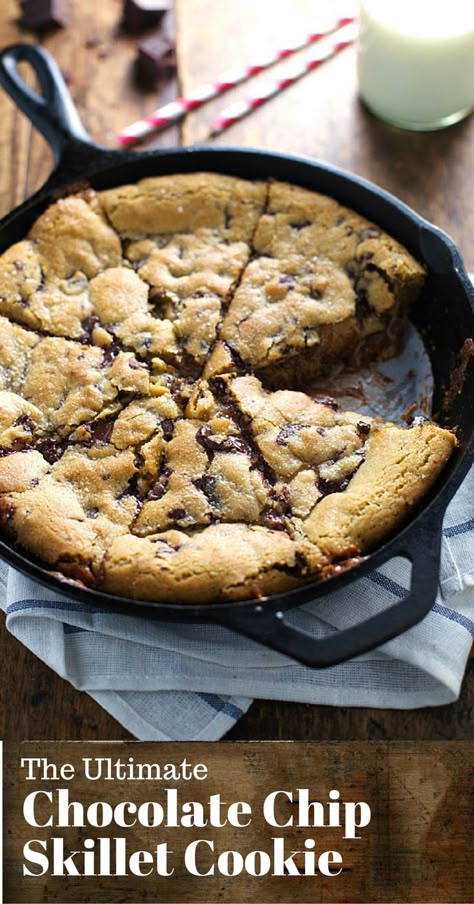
{"x": 396, "y": 390}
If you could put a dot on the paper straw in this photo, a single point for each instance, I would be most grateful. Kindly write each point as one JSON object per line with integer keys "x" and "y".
{"x": 174, "y": 111}
{"x": 241, "y": 108}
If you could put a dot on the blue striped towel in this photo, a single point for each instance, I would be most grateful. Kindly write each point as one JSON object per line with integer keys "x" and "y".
{"x": 178, "y": 682}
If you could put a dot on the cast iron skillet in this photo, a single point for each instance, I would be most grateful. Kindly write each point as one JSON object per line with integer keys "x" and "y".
{"x": 445, "y": 315}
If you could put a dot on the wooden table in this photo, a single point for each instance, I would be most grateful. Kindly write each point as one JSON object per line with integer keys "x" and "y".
{"x": 321, "y": 117}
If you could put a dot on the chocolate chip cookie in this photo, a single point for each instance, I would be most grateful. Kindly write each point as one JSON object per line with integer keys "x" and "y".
{"x": 158, "y": 434}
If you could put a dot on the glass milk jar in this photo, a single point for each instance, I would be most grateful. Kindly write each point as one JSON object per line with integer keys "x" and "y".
{"x": 416, "y": 61}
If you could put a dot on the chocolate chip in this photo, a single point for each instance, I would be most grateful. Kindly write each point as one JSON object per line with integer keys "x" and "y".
{"x": 363, "y": 428}
{"x": 156, "y": 59}
{"x": 51, "y": 449}
{"x": 25, "y": 421}
{"x": 167, "y": 426}
{"x": 287, "y": 431}
{"x": 211, "y": 443}
{"x": 100, "y": 431}
{"x": 300, "y": 224}
{"x": 326, "y": 487}
{"x": 287, "y": 280}
{"x": 219, "y": 387}
{"x": 207, "y": 485}
{"x": 109, "y": 353}
{"x": 137, "y": 365}
{"x": 157, "y": 491}
{"x": 282, "y": 501}
{"x": 271, "y": 519}
{"x": 177, "y": 514}
{"x": 18, "y": 265}
{"x": 188, "y": 365}
{"x": 205, "y": 439}
{"x": 233, "y": 444}
{"x": 141, "y": 14}
{"x": 43, "y": 15}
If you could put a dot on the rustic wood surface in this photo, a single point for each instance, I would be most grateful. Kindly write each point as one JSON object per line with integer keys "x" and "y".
{"x": 415, "y": 847}
{"x": 321, "y": 117}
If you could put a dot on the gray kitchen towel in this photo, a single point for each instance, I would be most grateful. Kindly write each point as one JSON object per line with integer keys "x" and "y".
{"x": 167, "y": 681}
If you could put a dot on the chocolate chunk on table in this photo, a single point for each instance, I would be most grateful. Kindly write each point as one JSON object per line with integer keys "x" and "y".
{"x": 141, "y": 14}
{"x": 156, "y": 58}
{"x": 42, "y": 15}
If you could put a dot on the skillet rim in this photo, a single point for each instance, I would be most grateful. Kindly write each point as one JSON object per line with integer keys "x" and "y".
{"x": 103, "y": 162}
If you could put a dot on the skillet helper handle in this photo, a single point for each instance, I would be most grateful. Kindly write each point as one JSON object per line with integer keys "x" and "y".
{"x": 53, "y": 112}
{"x": 266, "y": 622}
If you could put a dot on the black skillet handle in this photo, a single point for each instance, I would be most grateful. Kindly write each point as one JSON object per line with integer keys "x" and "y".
{"x": 53, "y": 112}
{"x": 266, "y": 622}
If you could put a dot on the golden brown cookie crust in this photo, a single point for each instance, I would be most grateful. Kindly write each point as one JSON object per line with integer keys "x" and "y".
{"x": 153, "y": 341}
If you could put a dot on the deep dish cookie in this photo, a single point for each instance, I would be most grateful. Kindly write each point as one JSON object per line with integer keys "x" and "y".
{"x": 158, "y": 435}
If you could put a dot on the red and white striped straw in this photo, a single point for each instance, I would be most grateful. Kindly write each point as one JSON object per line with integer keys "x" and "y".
{"x": 241, "y": 108}
{"x": 174, "y": 111}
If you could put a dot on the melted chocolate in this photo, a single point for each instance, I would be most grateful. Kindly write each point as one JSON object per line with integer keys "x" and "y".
{"x": 207, "y": 485}
{"x": 51, "y": 449}
{"x": 177, "y": 514}
{"x": 326, "y": 487}
{"x": 272, "y": 519}
{"x": 287, "y": 431}
{"x": 25, "y": 421}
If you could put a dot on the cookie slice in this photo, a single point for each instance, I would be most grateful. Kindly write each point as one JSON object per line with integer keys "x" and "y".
{"x": 122, "y": 313}
{"x": 67, "y": 382}
{"x": 68, "y": 512}
{"x": 326, "y": 287}
{"x": 45, "y": 278}
{"x": 188, "y": 237}
{"x": 144, "y": 425}
{"x": 350, "y": 480}
{"x": 185, "y": 203}
{"x": 213, "y": 564}
{"x": 209, "y": 475}
{"x": 312, "y": 448}
{"x": 399, "y": 467}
